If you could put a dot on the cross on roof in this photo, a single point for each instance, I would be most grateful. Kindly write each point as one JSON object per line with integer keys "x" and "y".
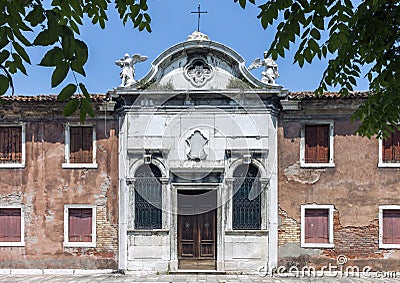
{"x": 199, "y": 12}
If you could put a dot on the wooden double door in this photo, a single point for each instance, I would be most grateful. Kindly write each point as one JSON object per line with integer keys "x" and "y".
{"x": 197, "y": 229}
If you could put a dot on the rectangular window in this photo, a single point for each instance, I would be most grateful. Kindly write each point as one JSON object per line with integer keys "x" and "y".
{"x": 317, "y": 145}
{"x": 80, "y": 146}
{"x": 389, "y": 227}
{"x": 317, "y": 226}
{"x": 12, "y": 146}
{"x": 389, "y": 150}
{"x": 11, "y": 226}
{"x": 79, "y": 226}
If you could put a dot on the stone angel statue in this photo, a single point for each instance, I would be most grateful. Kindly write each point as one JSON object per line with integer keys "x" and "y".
{"x": 127, "y": 73}
{"x": 271, "y": 69}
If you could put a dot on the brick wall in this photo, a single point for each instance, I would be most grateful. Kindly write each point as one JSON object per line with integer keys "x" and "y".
{"x": 289, "y": 229}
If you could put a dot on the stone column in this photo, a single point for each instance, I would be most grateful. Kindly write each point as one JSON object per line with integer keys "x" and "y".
{"x": 122, "y": 197}
{"x": 173, "y": 230}
{"x": 221, "y": 201}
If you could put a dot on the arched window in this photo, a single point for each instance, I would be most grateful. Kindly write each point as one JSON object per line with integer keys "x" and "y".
{"x": 246, "y": 198}
{"x": 148, "y": 197}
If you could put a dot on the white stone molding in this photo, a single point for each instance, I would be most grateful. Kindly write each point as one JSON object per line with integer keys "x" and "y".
{"x": 67, "y": 243}
{"x": 22, "y": 223}
{"x": 331, "y": 210}
{"x": 23, "y": 151}
{"x": 67, "y": 164}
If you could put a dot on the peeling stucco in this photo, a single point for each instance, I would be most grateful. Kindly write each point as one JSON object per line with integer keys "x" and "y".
{"x": 295, "y": 173}
{"x": 12, "y": 198}
{"x": 101, "y": 198}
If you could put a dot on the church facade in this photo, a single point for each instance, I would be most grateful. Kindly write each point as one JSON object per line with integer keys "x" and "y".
{"x": 197, "y": 166}
{"x": 206, "y": 130}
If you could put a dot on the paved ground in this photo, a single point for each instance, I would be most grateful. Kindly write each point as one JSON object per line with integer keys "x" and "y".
{"x": 188, "y": 278}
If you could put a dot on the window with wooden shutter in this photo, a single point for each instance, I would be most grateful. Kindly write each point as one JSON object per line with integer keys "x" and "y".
{"x": 11, "y": 144}
{"x": 81, "y": 145}
{"x": 10, "y": 225}
{"x": 316, "y": 226}
{"x": 80, "y": 225}
{"x": 391, "y": 148}
{"x": 316, "y": 144}
{"x": 391, "y": 226}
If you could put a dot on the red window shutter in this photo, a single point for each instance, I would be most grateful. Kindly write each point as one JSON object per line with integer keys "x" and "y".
{"x": 316, "y": 144}
{"x": 391, "y": 147}
{"x": 87, "y": 145}
{"x": 396, "y": 146}
{"x": 316, "y": 226}
{"x": 80, "y": 225}
{"x": 310, "y": 143}
{"x": 75, "y": 144}
{"x": 10, "y": 144}
{"x": 81, "y": 144}
{"x": 322, "y": 143}
{"x": 10, "y": 225}
{"x": 391, "y": 227}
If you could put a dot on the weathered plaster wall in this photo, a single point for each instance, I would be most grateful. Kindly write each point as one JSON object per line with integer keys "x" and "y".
{"x": 43, "y": 188}
{"x": 355, "y": 186}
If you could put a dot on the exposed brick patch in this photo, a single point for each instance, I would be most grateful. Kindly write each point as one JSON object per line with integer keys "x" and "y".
{"x": 289, "y": 229}
{"x": 355, "y": 242}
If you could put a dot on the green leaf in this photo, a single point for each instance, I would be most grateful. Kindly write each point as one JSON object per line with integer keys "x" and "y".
{"x": 74, "y": 26}
{"x": 84, "y": 90}
{"x": 148, "y": 27}
{"x": 59, "y": 73}
{"x": 142, "y": 25}
{"x": 308, "y": 55}
{"x": 138, "y": 20}
{"x": 4, "y": 55}
{"x": 46, "y": 37}
{"x": 318, "y": 22}
{"x": 67, "y": 92}
{"x": 52, "y": 58}
{"x": 143, "y": 5}
{"x": 71, "y": 107}
{"x": 4, "y": 84}
{"x": 81, "y": 51}
{"x": 315, "y": 34}
{"x": 21, "y": 51}
{"x": 36, "y": 16}
{"x": 18, "y": 63}
{"x": 87, "y": 107}
{"x": 77, "y": 67}
{"x": 242, "y": 3}
{"x": 135, "y": 9}
{"x": 264, "y": 21}
{"x": 313, "y": 45}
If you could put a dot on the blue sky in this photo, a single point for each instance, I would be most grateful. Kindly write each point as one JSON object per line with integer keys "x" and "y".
{"x": 226, "y": 22}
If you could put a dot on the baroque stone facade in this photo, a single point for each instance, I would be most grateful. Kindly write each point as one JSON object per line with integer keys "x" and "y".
{"x": 198, "y": 165}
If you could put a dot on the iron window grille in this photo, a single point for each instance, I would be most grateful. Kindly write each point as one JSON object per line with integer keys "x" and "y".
{"x": 246, "y": 198}
{"x": 148, "y": 200}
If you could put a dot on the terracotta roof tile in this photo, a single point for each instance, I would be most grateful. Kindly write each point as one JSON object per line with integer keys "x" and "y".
{"x": 326, "y": 95}
{"x": 46, "y": 98}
